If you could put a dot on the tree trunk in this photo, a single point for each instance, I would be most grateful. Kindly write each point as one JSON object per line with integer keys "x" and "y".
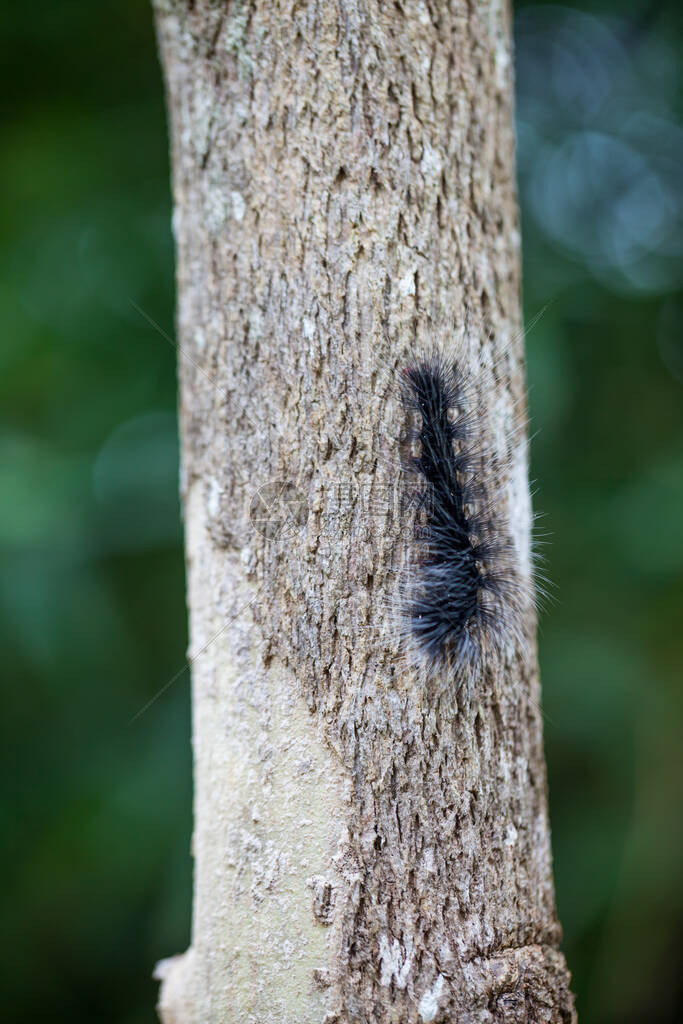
{"x": 368, "y": 847}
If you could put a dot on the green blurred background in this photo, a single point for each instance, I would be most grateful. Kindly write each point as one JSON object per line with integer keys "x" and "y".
{"x": 96, "y": 808}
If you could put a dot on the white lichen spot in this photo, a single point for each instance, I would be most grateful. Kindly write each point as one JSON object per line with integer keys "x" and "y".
{"x": 445, "y": 951}
{"x": 429, "y": 1004}
{"x": 255, "y": 323}
{"x": 308, "y": 328}
{"x": 502, "y": 63}
{"x": 394, "y": 962}
{"x": 216, "y": 207}
{"x": 511, "y": 835}
{"x": 502, "y": 58}
{"x": 406, "y": 285}
{"x": 431, "y": 161}
{"x": 213, "y": 498}
{"x": 428, "y": 859}
{"x": 238, "y": 206}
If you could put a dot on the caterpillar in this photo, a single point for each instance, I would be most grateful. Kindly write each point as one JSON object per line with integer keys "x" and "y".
{"x": 464, "y": 596}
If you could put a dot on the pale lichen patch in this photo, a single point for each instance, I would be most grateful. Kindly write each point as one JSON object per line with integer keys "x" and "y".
{"x": 238, "y": 206}
{"x": 429, "y": 1004}
{"x": 395, "y": 961}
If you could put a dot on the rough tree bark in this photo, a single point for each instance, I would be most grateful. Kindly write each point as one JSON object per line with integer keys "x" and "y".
{"x": 368, "y": 846}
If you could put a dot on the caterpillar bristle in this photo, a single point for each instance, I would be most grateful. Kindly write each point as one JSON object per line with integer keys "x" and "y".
{"x": 464, "y": 597}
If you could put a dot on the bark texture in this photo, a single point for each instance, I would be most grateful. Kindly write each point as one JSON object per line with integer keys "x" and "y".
{"x": 369, "y": 845}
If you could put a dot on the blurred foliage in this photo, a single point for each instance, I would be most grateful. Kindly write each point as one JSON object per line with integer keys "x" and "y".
{"x": 96, "y": 803}
{"x": 600, "y": 158}
{"x": 96, "y": 809}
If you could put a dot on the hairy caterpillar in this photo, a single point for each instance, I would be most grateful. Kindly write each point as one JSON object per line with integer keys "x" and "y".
{"x": 464, "y": 596}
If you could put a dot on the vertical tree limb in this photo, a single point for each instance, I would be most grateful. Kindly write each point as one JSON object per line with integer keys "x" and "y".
{"x": 368, "y": 847}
